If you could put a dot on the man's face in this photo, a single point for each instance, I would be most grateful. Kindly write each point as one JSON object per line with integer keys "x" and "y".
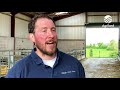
{"x": 45, "y": 36}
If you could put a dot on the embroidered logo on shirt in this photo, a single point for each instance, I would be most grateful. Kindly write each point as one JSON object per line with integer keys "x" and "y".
{"x": 67, "y": 72}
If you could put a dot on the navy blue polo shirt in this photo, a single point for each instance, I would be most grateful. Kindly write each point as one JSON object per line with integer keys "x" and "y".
{"x": 32, "y": 66}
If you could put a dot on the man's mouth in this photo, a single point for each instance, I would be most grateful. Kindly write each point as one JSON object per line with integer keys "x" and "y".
{"x": 50, "y": 42}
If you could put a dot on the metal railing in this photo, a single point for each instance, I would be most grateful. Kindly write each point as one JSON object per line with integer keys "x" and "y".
{"x": 9, "y": 57}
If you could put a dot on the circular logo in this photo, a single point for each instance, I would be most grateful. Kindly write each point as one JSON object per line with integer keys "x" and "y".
{"x": 107, "y": 19}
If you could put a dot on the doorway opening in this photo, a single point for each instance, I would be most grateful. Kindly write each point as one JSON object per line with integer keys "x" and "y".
{"x": 102, "y": 42}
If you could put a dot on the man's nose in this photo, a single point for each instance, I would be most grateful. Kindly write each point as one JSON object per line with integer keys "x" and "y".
{"x": 50, "y": 34}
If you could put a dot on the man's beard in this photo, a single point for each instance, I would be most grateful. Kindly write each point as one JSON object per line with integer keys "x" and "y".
{"x": 46, "y": 52}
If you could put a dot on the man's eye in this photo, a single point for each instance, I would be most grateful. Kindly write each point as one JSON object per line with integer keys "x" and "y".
{"x": 44, "y": 30}
{"x": 53, "y": 29}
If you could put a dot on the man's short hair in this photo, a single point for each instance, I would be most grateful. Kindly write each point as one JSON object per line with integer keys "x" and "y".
{"x": 31, "y": 25}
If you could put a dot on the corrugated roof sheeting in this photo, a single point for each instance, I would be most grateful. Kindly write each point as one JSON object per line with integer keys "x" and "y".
{"x": 71, "y": 27}
{"x": 71, "y": 32}
{"x": 101, "y": 13}
{"x": 73, "y": 20}
{"x": 98, "y": 17}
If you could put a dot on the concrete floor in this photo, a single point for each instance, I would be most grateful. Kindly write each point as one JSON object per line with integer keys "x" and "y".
{"x": 101, "y": 68}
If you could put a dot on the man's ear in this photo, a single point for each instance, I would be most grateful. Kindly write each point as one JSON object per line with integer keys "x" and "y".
{"x": 31, "y": 37}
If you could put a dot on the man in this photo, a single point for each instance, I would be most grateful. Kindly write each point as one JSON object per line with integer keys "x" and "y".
{"x": 45, "y": 60}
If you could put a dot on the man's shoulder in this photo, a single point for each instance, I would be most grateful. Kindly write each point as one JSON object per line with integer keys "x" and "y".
{"x": 18, "y": 67}
{"x": 24, "y": 60}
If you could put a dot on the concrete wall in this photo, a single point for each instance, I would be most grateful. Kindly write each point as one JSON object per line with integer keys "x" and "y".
{"x": 69, "y": 45}
{"x": 6, "y": 41}
{"x": 21, "y": 32}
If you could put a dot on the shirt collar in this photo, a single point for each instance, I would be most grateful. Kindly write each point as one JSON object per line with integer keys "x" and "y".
{"x": 38, "y": 60}
{"x": 35, "y": 57}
